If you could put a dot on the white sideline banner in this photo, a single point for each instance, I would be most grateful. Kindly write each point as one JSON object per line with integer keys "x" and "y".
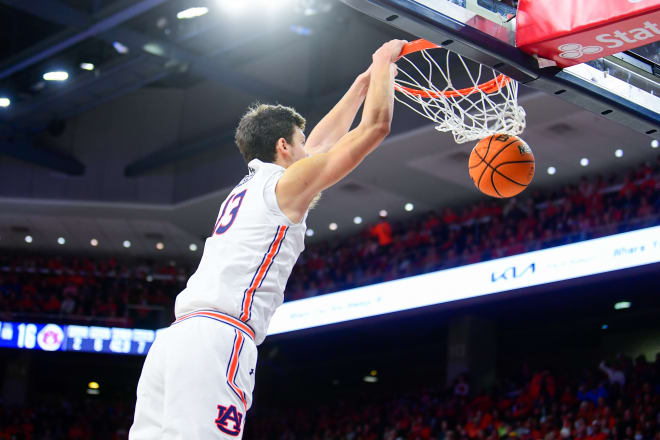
{"x": 600, "y": 255}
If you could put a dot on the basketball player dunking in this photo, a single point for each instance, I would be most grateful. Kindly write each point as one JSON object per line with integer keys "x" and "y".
{"x": 198, "y": 378}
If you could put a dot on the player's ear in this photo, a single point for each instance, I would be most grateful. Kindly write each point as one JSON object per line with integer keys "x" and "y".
{"x": 281, "y": 146}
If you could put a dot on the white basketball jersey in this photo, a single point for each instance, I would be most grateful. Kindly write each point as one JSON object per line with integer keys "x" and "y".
{"x": 248, "y": 259}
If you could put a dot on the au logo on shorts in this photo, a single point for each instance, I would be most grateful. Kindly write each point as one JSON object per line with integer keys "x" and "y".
{"x": 229, "y": 420}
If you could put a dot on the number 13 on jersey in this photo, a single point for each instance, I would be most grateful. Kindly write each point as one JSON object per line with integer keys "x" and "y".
{"x": 229, "y": 212}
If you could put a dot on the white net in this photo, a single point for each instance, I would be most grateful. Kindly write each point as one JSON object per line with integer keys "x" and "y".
{"x": 487, "y": 106}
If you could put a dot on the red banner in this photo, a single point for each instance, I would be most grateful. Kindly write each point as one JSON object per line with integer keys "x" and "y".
{"x": 571, "y": 32}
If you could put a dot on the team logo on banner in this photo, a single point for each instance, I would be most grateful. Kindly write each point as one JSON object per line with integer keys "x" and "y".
{"x": 229, "y": 420}
{"x": 572, "y": 51}
{"x": 50, "y": 337}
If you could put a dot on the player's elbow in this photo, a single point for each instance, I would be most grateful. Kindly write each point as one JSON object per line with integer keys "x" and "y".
{"x": 377, "y": 130}
{"x": 383, "y": 128}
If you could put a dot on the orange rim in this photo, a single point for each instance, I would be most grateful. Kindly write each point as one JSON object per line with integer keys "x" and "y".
{"x": 489, "y": 87}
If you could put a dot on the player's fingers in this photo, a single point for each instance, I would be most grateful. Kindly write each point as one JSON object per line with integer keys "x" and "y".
{"x": 367, "y": 72}
{"x": 396, "y": 46}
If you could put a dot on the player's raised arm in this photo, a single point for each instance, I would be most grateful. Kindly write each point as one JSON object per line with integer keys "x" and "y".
{"x": 304, "y": 179}
{"x": 338, "y": 121}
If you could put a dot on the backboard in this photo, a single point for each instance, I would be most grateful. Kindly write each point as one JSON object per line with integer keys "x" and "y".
{"x": 624, "y": 87}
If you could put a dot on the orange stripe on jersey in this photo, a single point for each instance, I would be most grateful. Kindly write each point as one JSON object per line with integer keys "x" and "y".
{"x": 232, "y": 368}
{"x": 219, "y": 317}
{"x": 258, "y": 278}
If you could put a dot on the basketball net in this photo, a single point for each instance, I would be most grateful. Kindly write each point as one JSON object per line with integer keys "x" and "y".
{"x": 487, "y": 107}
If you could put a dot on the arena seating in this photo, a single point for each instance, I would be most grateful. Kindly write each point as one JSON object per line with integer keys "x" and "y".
{"x": 543, "y": 405}
{"x": 141, "y": 293}
{"x": 589, "y": 405}
{"x": 52, "y": 418}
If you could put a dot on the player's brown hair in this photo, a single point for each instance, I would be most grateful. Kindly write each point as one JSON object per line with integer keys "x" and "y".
{"x": 262, "y": 126}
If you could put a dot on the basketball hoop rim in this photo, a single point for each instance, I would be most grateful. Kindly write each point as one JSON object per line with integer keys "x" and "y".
{"x": 420, "y": 45}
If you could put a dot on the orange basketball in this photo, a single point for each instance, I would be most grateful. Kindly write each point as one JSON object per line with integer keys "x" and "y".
{"x": 501, "y": 165}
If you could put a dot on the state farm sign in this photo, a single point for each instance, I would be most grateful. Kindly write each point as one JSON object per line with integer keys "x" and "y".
{"x": 575, "y": 31}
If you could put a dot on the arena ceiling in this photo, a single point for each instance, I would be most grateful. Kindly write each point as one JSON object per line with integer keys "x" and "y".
{"x": 140, "y": 148}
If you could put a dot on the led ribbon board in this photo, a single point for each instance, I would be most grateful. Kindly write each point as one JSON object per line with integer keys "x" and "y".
{"x": 615, "y": 252}
{"x": 600, "y": 255}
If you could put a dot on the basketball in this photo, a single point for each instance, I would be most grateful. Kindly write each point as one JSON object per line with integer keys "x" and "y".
{"x": 501, "y": 165}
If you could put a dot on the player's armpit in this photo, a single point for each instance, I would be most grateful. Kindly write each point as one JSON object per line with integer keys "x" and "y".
{"x": 303, "y": 180}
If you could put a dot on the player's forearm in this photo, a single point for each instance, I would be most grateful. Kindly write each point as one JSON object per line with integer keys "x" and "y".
{"x": 339, "y": 120}
{"x": 374, "y": 126}
{"x": 352, "y": 148}
{"x": 379, "y": 103}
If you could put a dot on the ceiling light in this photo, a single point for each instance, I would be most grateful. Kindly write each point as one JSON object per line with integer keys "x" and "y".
{"x": 370, "y": 379}
{"x": 192, "y": 12}
{"x": 584, "y": 161}
{"x": 160, "y": 246}
{"x": 192, "y": 247}
{"x": 382, "y": 213}
{"x": 120, "y": 48}
{"x": 655, "y": 143}
{"x": 309, "y": 232}
{"x": 87, "y": 66}
{"x": 618, "y": 153}
{"x": 61, "y": 240}
{"x": 5, "y": 102}
{"x": 622, "y": 305}
{"x": 28, "y": 239}
{"x": 357, "y": 220}
{"x": 234, "y": 7}
{"x": 154, "y": 49}
{"x": 301, "y": 30}
{"x": 408, "y": 207}
{"x": 312, "y": 7}
{"x": 58, "y": 75}
{"x": 332, "y": 226}
{"x": 126, "y": 244}
{"x": 94, "y": 242}
{"x": 552, "y": 170}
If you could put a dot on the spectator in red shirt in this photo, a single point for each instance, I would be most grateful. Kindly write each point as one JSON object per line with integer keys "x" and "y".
{"x": 382, "y": 231}
{"x": 51, "y": 306}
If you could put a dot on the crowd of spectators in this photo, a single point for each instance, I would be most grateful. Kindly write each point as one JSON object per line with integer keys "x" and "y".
{"x": 619, "y": 401}
{"x": 88, "y": 290}
{"x": 57, "y": 418}
{"x": 129, "y": 293}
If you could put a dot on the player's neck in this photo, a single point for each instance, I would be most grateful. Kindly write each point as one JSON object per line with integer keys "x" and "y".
{"x": 282, "y": 162}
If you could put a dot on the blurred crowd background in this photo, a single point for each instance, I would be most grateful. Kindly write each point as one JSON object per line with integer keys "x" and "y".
{"x": 140, "y": 293}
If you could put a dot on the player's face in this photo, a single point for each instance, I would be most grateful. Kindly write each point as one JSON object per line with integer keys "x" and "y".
{"x": 298, "y": 145}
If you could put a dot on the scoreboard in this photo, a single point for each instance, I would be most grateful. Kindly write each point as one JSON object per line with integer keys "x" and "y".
{"x": 90, "y": 339}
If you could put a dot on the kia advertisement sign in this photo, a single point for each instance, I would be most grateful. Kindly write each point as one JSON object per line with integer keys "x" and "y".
{"x": 606, "y": 254}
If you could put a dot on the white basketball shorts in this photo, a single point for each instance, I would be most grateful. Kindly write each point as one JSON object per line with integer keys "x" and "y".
{"x": 197, "y": 380}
